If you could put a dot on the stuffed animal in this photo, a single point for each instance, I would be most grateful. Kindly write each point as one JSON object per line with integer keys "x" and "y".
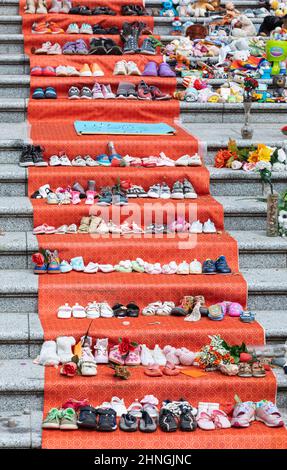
{"x": 231, "y": 11}
{"x": 168, "y": 9}
{"x": 242, "y": 26}
{"x": 182, "y": 8}
{"x": 200, "y": 8}
{"x": 279, "y": 82}
{"x": 279, "y": 8}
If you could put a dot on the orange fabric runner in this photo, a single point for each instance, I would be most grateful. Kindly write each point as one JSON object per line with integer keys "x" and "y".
{"x": 52, "y": 127}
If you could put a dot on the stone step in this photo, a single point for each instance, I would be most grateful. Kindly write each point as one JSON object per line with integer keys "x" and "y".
{"x": 11, "y": 7}
{"x": 241, "y": 213}
{"x": 26, "y": 434}
{"x": 256, "y": 250}
{"x": 18, "y": 86}
{"x": 22, "y": 386}
{"x": 224, "y": 181}
{"x": 15, "y": 109}
{"x": 21, "y": 334}
{"x": 267, "y": 289}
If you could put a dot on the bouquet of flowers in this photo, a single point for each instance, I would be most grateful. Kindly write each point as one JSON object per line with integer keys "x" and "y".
{"x": 252, "y": 158}
{"x": 218, "y": 352}
{"x": 282, "y": 216}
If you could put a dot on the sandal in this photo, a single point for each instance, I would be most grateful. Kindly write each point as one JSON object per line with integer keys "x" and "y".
{"x": 170, "y": 369}
{"x": 151, "y": 309}
{"x": 135, "y": 409}
{"x": 258, "y": 370}
{"x": 244, "y": 370}
{"x": 165, "y": 308}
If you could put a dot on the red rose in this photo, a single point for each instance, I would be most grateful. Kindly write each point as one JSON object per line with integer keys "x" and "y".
{"x": 245, "y": 357}
{"x": 38, "y": 259}
{"x": 125, "y": 347}
{"x": 69, "y": 369}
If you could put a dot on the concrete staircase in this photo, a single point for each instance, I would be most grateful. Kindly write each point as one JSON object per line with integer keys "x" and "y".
{"x": 263, "y": 260}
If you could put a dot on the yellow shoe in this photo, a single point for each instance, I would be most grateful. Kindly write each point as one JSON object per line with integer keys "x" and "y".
{"x": 85, "y": 71}
{"x": 96, "y": 70}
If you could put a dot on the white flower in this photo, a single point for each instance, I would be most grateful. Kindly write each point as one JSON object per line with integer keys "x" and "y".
{"x": 281, "y": 156}
{"x": 282, "y": 217}
{"x": 236, "y": 165}
{"x": 261, "y": 165}
{"x": 278, "y": 167}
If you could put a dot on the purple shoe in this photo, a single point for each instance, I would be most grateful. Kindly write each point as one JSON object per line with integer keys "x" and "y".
{"x": 69, "y": 48}
{"x": 150, "y": 69}
{"x": 164, "y": 70}
{"x": 81, "y": 47}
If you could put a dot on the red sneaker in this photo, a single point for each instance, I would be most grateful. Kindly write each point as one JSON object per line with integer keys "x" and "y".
{"x": 48, "y": 71}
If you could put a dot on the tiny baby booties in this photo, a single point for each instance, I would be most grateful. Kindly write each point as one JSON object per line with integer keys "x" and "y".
{"x": 64, "y": 348}
{"x": 48, "y": 355}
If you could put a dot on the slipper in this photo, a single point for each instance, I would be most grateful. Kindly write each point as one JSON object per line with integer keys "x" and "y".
{"x": 170, "y": 369}
{"x": 135, "y": 409}
{"x": 153, "y": 370}
{"x": 147, "y": 423}
{"x": 128, "y": 423}
{"x": 91, "y": 268}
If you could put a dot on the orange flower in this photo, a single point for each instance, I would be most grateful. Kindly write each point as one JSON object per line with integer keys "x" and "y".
{"x": 222, "y": 157}
{"x": 253, "y": 157}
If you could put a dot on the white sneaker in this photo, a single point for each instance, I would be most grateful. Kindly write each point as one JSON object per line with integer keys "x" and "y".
{"x": 91, "y": 268}
{"x": 65, "y": 161}
{"x": 64, "y": 311}
{"x": 72, "y": 71}
{"x": 146, "y": 356}
{"x": 183, "y": 268}
{"x": 118, "y": 405}
{"x": 158, "y": 355}
{"x": 54, "y": 160}
{"x": 209, "y": 227}
{"x": 164, "y": 160}
{"x": 93, "y": 310}
{"x": 194, "y": 160}
{"x": 101, "y": 351}
{"x": 195, "y": 267}
{"x": 182, "y": 161}
{"x": 132, "y": 68}
{"x": 106, "y": 310}
{"x": 78, "y": 311}
{"x": 196, "y": 227}
{"x": 120, "y": 68}
{"x": 61, "y": 71}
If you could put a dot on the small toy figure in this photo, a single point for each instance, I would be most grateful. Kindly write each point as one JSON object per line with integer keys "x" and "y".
{"x": 265, "y": 70}
{"x": 282, "y": 68}
{"x": 176, "y": 27}
{"x": 200, "y": 8}
{"x": 168, "y": 9}
{"x": 279, "y": 82}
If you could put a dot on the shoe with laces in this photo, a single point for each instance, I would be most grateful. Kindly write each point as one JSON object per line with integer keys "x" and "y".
{"x": 73, "y": 28}
{"x": 26, "y": 158}
{"x": 96, "y": 70}
{"x": 209, "y": 267}
{"x": 44, "y": 48}
{"x": 85, "y": 71}
{"x": 86, "y": 93}
{"x": 86, "y": 29}
{"x": 165, "y": 191}
{"x": 107, "y": 92}
{"x": 41, "y": 28}
{"x": 55, "y": 29}
{"x": 222, "y": 266}
{"x": 97, "y": 91}
{"x": 154, "y": 191}
{"x": 61, "y": 71}
{"x": 120, "y": 68}
{"x": 188, "y": 190}
{"x": 132, "y": 68}
{"x": 72, "y": 71}
{"x": 158, "y": 95}
{"x": 68, "y": 420}
{"x": 38, "y": 158}
{"x": 177, "y": 191}
{"x": 148, "y": 47}
{"x": 55, "y": 49}
{"x": 52, "y": 420}
{"x": 74, "y": 93}
{"x": 143, "y": 91}
{"x": 105, "y": 310}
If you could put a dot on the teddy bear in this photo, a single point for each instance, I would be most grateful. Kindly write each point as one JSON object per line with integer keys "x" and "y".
{"x": 168, "y": 9}
{"x": 200, "y": 8}
{"x": 242, "y": 26}
{"x": 231, "y": 11}
{"x": 182, "y": 8}
{"x": 279, "y": 82}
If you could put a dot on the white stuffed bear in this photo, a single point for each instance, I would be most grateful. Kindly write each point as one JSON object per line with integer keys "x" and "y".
{"x": 242, "y": 26}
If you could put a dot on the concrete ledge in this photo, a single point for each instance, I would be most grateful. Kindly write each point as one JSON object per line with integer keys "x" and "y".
{"x": 27, "y": 432}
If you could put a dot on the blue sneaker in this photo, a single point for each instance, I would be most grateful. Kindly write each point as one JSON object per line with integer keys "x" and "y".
{"x": 103, "y": 160}
{"x": 105, "y": 198}
{"x": 209, "y": 267}
{"x": 50, "y": 93}
{"x": 38, "y": 94}
{"x": 119, "y": 198}
{"x": 222, "y": 266}
{"x": 247, "y": 317}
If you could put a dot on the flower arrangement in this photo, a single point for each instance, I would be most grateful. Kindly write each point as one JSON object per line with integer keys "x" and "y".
{"x": 218, "y": 352}
{"x": 250, "y": 84}
{"x": 252, "y": 158}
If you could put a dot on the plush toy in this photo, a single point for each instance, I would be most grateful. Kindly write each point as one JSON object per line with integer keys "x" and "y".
{"x": 265, "y": 70}
{"x": 279, "y": 82}
{"x": 200, "y": 8}
{"x": 168, "y": 9}
{"x": 279, "y": 8}
{"x": 242, "y": 26}
{"x": 231, "y": 11}
{"x": 182, "y": 8}
{"x": 176, "y": 26}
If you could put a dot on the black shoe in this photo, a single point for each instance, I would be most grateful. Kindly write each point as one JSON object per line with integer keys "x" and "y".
{"x": 37, "y": 154}
{"x": 167, "y": 420}
{"x": 147, "y": 423}
{"x": 80, "y": 10}
{"x": 112, "y": 48}
{"x": 148, "y": 47}
{"x": 107, "y": 419}
{"x": 26, "y": 158}
{"x": 87, "y": 417}
{"x": 79, "y": 187}
{"x": 187, "y": 421}
{"x": 97, "y": 46}
{"x": 132, "y": 310}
